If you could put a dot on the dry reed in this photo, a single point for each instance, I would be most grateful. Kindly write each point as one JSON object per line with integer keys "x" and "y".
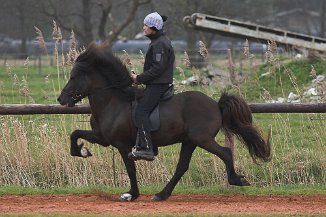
{"x": 40, "y": 39}
{"x": 187, "y": 62}
{"x": 35, "y": 150}
{"x": 203, "y": 50}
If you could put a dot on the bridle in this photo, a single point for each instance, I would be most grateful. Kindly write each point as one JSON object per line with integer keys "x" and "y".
{"x": 75, "y": 95}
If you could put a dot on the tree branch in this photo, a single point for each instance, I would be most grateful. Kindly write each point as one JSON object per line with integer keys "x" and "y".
{"x": 104, "y": 17}
{"x": 117, "y": 31}
{"x": 59, "y": 19}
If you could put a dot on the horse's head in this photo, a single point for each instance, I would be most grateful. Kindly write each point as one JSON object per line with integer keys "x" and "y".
{"x": 77, "y": 87}
{"x": 95, "y": 69}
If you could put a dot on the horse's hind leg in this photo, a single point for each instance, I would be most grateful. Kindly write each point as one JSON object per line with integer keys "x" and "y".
{"x": 78, "y": 149}
{"x": 226, "y": 155}
{"x": 185, "y": 156}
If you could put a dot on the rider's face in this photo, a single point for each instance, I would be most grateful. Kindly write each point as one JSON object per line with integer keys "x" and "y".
{"x": 147, "y": 30}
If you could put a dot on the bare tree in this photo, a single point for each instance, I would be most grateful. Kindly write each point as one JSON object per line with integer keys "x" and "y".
{"x": 17, "y": 18}
{"x": 116, "y": 27}
{"x": 70, "y": 15}
{"x": 92, "y": 19}
{"x": 322, "y": 19}
{"x": 177, "y": 10}
{"x": 109, "y": 20}
{"x": 21, "y": 12}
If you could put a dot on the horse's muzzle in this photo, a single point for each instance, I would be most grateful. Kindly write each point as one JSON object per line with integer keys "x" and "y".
{"x": 66, "y": 101}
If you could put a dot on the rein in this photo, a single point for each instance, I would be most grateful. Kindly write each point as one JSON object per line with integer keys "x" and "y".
{"x": 75, "y": 95}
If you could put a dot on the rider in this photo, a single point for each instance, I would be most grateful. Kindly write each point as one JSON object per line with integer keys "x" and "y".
{"x": 157, "y": 76}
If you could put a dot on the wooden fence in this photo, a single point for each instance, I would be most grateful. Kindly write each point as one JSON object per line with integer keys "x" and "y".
{"x": 31, "y": 109}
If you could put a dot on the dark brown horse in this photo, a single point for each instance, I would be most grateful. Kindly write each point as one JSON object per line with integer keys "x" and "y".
{"x": 190, "y": 118}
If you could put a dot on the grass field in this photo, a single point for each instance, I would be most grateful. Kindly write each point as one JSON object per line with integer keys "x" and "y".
{"x": 35, "y": 148}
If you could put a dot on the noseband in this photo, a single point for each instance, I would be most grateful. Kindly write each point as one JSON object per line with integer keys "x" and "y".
{"x": 75, "y": 95}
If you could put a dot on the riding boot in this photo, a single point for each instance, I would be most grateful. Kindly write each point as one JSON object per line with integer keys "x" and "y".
{"x": 143, "y": 149}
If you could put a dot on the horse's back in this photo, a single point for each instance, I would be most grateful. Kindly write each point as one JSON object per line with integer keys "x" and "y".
{"x": 188, "y": 112}
{"x": 202, "y": 116}
{"x": 199, "y": 108}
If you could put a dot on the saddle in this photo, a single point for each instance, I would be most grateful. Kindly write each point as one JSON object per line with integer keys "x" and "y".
{"x": 154, "y": 117}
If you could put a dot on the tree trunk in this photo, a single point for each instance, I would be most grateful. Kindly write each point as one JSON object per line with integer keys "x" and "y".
{"x": 22, "y": 22}
{"x": 322, "y": 19}
{"x": 195, "y": 59}
{"x": 114, "y": 34}
{"x": 88, "y": 36}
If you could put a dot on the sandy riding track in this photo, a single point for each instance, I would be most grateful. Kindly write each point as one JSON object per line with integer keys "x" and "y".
{"x": 177, "y": 204}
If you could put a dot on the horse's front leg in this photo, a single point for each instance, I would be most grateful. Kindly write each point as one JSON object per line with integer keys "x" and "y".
{"x": 133, "y": 193}
{"x": 79, "y": 150}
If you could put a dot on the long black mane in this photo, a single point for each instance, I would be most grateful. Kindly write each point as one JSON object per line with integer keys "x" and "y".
{"x": 100, "y": 59}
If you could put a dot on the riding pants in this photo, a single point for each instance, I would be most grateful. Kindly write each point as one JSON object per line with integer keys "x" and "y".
{"x": 147, "y": 103}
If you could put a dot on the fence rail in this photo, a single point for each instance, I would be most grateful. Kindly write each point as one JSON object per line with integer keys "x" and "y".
{"x": 31, "y": 109}
{"x": 28, "y": 109}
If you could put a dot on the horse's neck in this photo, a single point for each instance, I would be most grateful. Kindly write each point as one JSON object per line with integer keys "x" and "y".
{"x": 103, "y": 102}
{"x": 100, "y": 100}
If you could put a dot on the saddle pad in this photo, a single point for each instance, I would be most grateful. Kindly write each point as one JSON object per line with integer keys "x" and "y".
{"x": 154, "y": 117}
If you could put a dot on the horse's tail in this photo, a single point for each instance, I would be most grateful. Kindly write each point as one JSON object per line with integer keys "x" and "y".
{"x": 237, "y": 119}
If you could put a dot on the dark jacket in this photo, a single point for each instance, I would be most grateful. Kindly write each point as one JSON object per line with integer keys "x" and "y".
{"x": 159, "y": 61}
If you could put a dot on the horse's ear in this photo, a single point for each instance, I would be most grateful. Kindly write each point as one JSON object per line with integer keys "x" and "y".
{"x": 96, "y": 47}
{"x": 103, "y": 54}
{"x": 89, "y": 55}
{"x": 91, "y": 46}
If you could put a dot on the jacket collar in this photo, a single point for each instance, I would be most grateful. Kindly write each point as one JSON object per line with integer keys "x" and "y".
{"x": 156, "y": 35}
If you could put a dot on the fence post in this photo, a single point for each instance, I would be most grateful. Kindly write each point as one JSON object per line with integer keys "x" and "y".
{"x": 231, "y": 67}
{"x": 229, "y": 143}
{"x": 39, "y": 64}
{"x": 114, "y": 168}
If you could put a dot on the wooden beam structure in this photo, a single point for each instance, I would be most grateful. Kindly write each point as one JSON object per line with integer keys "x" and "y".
{"x": 245, "y": 30}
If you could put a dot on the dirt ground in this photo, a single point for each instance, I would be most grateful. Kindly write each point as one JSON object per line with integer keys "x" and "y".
{"x": 176, "y": 204}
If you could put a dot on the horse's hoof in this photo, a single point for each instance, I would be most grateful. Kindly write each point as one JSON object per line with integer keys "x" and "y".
{"x": 84, "y": 152}
{"x": 158, "y": 198}
{"x": 239, "y": 181}
{"x": 125, "y": 197}
{"x": 244, "y": 181}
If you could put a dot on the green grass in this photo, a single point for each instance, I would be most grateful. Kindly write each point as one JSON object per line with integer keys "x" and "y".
{"x": 43, "y": 87}
{"x": 180, "y": 190}
{"x": 41, "y": 142}
{"x": 290, "y": 76}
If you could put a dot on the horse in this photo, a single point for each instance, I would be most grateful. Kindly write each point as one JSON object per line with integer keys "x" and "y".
{"x": 190, "y": 118}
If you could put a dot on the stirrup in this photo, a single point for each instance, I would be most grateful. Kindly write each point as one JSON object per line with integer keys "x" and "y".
{"x": 142, "y": 154}
{"x": 135, "y": 148}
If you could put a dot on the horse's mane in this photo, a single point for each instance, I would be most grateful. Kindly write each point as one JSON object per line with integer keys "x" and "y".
{"x": 100, "y": 59}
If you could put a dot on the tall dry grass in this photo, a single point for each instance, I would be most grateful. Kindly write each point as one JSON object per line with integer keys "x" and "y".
{"x": 298, "y": 140}
{"x": 35, "y": 149}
